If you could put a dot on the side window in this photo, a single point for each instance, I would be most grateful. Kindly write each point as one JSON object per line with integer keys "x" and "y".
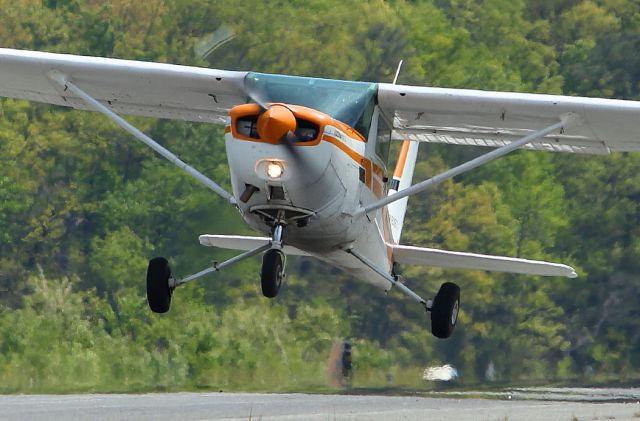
{"x": 364, "y": 122}
{"x": 383, "y": 139}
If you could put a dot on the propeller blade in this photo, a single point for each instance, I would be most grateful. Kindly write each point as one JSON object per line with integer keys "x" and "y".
{"x": 257, "y": 98}
{"x": 263, "y": 104}
{"x": 288, "y": 141}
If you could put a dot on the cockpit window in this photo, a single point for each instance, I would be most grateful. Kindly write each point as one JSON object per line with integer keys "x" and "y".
{"x": 364, "y": 122}
{"x": 343, "y": 100}
{"x": 383, "y": 139}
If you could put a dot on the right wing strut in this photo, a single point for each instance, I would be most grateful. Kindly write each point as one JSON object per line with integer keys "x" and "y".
{"x": 467, "y": 166}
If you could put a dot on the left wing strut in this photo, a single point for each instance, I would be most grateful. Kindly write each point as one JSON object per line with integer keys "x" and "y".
{"x": 62, "y": 81}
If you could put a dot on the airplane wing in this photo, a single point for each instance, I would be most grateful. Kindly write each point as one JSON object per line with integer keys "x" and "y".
{"x": 127, "y": 87}
{"x": 244, "y": 243}
{"x": 458, "y": 260}
{"x": 483, "y": 118}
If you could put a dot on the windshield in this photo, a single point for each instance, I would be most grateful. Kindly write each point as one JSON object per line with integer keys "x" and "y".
{"x": 345, "y": 101}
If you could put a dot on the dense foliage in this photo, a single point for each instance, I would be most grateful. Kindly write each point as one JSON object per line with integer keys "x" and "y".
{"x": 82, "y": 206}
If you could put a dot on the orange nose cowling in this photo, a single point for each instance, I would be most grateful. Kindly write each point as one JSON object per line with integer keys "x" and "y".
{"x": 276, "y": 122}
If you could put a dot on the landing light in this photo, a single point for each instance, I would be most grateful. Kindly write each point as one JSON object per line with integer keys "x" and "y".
{"x": 274, "y": 169}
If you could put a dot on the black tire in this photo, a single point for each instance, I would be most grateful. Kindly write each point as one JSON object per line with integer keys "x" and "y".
{"x": 158, "y": 291}
{"x": 272, "y": 273}
{"x": 444, "y": 313}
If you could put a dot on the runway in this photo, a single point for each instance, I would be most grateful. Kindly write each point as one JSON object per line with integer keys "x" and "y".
{"x": 525, "y": 404}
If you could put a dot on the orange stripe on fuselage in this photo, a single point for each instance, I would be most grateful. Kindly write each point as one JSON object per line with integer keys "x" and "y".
{"x": 369, "y": 167}
{"x": 344, "y": 148}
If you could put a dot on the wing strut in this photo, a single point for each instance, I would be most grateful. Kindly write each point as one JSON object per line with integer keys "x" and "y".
{"x": 403, "y": 288}
{"x": 467, "y": 166}
{"x": 62, "y": 81}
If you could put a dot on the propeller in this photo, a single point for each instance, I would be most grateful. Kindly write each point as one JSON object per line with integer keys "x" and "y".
{"x": 277, "y": 122}
{"x": 288, "y": 138}
{"x": 288, "y": 141}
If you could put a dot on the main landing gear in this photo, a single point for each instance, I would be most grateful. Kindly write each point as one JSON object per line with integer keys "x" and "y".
{"x": 444, "y": 307}
{"x": 158, "y": 289}
{"x": 444, "y": 310}
{"x": 160, "y": 283}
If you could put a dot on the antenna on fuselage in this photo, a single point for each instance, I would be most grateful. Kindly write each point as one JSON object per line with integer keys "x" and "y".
{"x": 395, "y": 79}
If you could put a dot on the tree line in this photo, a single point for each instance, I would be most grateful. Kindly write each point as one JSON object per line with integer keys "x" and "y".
{"x": 83, "y": 207}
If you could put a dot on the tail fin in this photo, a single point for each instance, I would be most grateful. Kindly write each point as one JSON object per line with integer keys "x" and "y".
{"x": 402, "y": 176}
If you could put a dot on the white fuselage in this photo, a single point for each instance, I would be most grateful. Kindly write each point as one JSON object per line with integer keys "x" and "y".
{"x": 317, "y": 193}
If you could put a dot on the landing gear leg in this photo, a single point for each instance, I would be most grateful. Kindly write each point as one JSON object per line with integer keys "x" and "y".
{"x": 444, "y": 307}
{"x": 273, "y": 263}
{"x": 160, "y": 283}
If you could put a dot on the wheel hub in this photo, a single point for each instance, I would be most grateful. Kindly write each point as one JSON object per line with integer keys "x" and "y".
{"x": 454, "y": 312}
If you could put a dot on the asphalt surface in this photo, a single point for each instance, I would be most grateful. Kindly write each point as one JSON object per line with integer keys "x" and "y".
{"x": 525, "y": 404}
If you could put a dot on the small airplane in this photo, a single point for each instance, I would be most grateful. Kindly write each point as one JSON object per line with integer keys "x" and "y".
{"x": 308, "y": 157}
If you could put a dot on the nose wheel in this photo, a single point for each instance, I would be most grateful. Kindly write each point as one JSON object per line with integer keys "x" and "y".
{"x": 272, "y": 272}
{"x": 273, "y": 263}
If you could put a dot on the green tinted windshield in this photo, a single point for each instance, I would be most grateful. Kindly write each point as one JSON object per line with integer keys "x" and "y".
{"x": 345, "y": 101}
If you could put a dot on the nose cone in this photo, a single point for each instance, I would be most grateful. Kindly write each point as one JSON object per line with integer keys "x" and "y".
{"x": 276, "y": 122}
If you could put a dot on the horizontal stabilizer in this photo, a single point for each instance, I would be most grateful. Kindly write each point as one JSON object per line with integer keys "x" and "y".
{"x": 240, "y": 242}
{"x": 458, "y": 260}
